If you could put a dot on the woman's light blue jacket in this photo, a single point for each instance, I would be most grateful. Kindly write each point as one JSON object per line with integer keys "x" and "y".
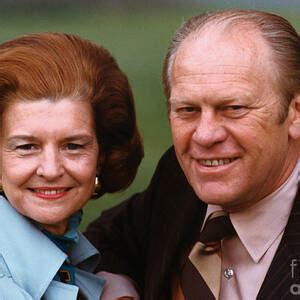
{"x": 29, "y": 261}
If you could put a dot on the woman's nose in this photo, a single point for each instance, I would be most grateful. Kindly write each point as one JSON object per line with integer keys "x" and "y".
{"x": 50, "y": 165}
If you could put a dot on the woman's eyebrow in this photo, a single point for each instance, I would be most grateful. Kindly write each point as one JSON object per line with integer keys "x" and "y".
{"x": 78, "y": 137}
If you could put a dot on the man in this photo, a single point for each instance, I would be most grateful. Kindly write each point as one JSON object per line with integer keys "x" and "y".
{"x": 232, "y": 80}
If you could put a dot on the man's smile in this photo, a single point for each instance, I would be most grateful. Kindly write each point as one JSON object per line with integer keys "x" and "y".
{"x": 216, "y": 162}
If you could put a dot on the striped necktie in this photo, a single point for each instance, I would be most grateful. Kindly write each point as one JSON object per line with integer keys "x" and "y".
{"x": 201, "y": 274}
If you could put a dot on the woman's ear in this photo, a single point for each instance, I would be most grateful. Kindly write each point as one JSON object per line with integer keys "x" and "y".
{"x": 294, "y": 116}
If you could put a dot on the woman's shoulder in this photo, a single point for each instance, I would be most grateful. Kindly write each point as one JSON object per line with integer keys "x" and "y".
{"x": 9, "y": 290}
{"x": 28, "y": 257}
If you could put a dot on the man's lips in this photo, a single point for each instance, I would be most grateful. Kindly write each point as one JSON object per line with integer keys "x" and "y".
{"x": 216, "y": 162}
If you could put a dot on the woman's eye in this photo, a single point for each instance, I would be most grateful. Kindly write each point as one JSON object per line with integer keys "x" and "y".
{"x": 73, "y": 146}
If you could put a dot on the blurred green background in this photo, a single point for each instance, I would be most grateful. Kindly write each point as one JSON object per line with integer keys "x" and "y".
{"x": 137, "y": 34}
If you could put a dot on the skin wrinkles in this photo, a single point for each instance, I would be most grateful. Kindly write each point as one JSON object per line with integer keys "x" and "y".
{"x": 243, "y": 96}
{"x": 221, "y": 112}
{"x": 240, "y": 71}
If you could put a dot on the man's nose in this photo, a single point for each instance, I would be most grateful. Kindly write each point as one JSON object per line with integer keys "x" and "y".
{"x": 50, "y": 164}
{"x": 209, "y": 130}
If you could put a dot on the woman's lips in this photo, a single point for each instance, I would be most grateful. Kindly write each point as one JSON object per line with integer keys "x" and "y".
{"x": 49, "y": 192}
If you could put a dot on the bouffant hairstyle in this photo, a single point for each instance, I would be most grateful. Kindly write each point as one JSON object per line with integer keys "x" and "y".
{"x": 279, "y": 34}
{"x": 58, "y": 65}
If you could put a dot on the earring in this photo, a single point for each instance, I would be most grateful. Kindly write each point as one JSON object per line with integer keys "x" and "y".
{"x": 97, "y": 190}
{"x": 1, "y": 190}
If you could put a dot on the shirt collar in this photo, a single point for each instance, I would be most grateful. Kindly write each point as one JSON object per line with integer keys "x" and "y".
{"x": 271, "y": 214}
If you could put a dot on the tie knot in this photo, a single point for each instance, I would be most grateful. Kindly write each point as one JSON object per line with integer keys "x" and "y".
{"x": 216, "y": 228}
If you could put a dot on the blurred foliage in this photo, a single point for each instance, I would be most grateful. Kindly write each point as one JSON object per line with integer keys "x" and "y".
{"x": 138, "y": 37}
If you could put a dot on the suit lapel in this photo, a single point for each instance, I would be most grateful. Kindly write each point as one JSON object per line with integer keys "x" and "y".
{"x": 278, "y": 281}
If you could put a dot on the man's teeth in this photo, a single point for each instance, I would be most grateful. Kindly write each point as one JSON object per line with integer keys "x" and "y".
{"x": 49, "y": 192}
{"x": 216, "y": 162}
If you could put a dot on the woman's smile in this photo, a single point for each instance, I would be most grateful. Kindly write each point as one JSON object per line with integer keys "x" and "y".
{"x": 50, "y": 193}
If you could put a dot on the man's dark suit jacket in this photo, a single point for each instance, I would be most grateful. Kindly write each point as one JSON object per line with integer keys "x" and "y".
{"x": 147, "y": 236}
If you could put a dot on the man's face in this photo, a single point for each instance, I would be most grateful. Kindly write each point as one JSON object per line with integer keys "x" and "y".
{"x": 224, "y": 116}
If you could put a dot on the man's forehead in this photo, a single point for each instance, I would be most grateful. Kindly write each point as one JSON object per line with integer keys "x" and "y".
{"x": 223, "y": 51}
{"x": 218, "y": 43}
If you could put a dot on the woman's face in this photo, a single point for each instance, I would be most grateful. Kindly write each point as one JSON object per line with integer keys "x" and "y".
{"x": 48, "y": 159}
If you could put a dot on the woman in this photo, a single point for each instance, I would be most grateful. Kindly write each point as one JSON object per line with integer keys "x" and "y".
{"x": 68, "y": 133}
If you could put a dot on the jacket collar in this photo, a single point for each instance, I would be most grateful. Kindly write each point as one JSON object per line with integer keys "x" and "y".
{"x": 84, "y": 255}
{"x": 279, "y": 279}
{"x": 31, "y": 257}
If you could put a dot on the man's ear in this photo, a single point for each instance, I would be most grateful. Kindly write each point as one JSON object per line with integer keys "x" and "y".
{"x": 294, "y": 116}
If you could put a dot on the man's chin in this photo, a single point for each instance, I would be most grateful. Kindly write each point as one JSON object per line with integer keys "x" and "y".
{"x": 226, "y": 201}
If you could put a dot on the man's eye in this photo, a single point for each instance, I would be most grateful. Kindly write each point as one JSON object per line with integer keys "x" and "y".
{"x": 186, "y": 109}
{"x": 234, "y": 111}
{"x": 26, "y": 147}
{"x": 233, "y": 107}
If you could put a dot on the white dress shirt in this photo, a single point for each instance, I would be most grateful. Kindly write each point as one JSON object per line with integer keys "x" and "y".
{"x": 259, "y": 232}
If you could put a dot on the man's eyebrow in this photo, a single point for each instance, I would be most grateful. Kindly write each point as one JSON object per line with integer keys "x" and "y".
{"x": 222, "y": 99}
{"x": 179, "y": 100}
{"x": 21, "y": 137}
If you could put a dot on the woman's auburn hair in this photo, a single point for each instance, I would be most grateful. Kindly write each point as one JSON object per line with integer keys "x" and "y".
{"x": 58, "y": 65}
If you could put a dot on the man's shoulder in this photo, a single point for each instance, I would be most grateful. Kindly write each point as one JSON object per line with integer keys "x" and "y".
{"x": 169, "y": 181}
{"x": 169, "y": 170}
{"x": 168, "y": 162}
